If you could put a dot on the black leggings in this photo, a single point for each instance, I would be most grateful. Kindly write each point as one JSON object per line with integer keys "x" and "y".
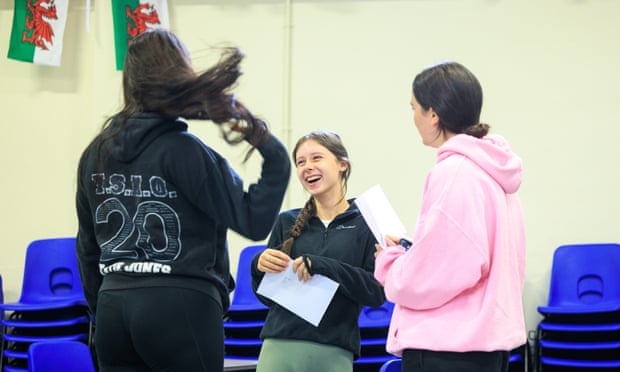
{"x": 444, "y": 361}
{"x": 159, "y": 329}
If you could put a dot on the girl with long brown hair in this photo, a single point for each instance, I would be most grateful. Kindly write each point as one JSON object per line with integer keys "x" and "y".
{"x": 154, "y": 204}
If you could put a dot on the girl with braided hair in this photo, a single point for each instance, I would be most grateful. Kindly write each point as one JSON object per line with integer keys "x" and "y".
{"x": 328, "y": 236}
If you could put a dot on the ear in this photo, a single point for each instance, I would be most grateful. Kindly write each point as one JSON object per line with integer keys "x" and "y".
{"x": 434, "y": 117}
{"x": 343, "y": 165}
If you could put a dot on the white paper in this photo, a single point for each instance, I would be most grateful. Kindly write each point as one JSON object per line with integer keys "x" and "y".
{"x": 308, "y": 300}
{"x": 379, "y": 214}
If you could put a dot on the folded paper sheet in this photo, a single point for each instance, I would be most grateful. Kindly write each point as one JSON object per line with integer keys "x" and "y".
{"x": 379, "y": 214}
{"x": 308, "y": 300}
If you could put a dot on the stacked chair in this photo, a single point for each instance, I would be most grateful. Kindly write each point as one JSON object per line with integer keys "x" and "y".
{"x": 580, "y": 329}
{"x": 520, "y": 359}
{"x": 374, "y": 323}
{"x": 60, "y": 356}
{"x": 51, "y": 306}
{"x": 392, "y": 365}
{"x": 246, "y": 314}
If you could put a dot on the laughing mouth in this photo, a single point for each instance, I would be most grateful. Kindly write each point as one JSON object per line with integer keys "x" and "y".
{"x": 312, "y": 179}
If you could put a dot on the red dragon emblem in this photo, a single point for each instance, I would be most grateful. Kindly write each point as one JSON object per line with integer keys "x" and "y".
{"x": 37, "y": 23}
{"x": 141, "y": 17}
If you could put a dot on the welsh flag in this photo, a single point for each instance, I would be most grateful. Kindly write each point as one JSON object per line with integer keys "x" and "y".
{"x": 38, "y": 28}
{"x": 133, "y": 17}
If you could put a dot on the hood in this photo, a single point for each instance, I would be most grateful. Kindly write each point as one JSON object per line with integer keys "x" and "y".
{"x": 140, "y": 130}
{"x": 491, "y": 153}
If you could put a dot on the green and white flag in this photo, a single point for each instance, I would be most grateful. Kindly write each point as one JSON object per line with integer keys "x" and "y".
{"x": 38, "y": 29}
{"x": 133, "y": 17}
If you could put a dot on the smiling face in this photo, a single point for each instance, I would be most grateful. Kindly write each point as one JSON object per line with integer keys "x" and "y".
{"x": 318, "y": 170}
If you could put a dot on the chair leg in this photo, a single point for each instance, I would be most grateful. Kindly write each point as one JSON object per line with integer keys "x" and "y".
{"x": 91, "y": 325}
{"x": 2, "y": 347}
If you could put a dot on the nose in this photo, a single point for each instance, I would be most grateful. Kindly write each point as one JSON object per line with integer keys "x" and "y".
{"x": 307, "y": 166}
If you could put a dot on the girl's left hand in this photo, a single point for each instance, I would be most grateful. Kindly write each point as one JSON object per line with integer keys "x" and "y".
{"x": 299, "y": 267}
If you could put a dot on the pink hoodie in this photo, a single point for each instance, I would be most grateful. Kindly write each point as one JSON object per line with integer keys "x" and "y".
{"x": 460, "y": 285}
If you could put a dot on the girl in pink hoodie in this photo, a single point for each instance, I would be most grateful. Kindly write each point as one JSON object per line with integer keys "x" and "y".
{"x": 458, "y": 289}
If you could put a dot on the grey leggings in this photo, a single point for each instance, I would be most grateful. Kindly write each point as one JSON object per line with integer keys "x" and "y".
{"x": 279, "y": 355}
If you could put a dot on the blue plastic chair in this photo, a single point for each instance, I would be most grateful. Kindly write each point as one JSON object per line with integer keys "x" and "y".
{"x": 580, "y": 324}
{"x": 246, "y": 314}
{"x": 576, "y": 328}
{"x": 243, "y": 348}
{"x": 585, "y": 279}
{"x": 51, "y": 299}
{"x": 392, "y": 365}
{"x": 21, "y": 343}
{"x": 244, "y": 299}
{"x": 376, "y": 317}
{"x": 60, "y": 356}
{"x": 29, "y": 327}
{"x": 579, "y": 332}
{"x": 243, "y": 329}
{"x": 515, "y": 358}
{"x": 590, "y": 350}
{"x": 14, "y": 369}
{"x": 73, "y": 320}
{"x": 578, "y": 345}
{"x": 519, "y": 358}
{"x": 51, "y": 277}
{"x": 374, "y": 323}
{"x": 371, "y": 363}
{"x": 586, "y": 365}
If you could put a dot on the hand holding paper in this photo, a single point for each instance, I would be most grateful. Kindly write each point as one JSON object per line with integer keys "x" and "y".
{"x": 309, "y": 300}
{"x": 379, "y": 214}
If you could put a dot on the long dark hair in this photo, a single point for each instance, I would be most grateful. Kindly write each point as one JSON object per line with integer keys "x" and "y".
{"x": 158, "y": 77}
{"x": 332, "y": 142}
{"x": 455, "y": 95}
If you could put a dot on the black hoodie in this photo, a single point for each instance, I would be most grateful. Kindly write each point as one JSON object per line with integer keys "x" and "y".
{"x": 155, "y": 211}
{"x": 344, "y": 252}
